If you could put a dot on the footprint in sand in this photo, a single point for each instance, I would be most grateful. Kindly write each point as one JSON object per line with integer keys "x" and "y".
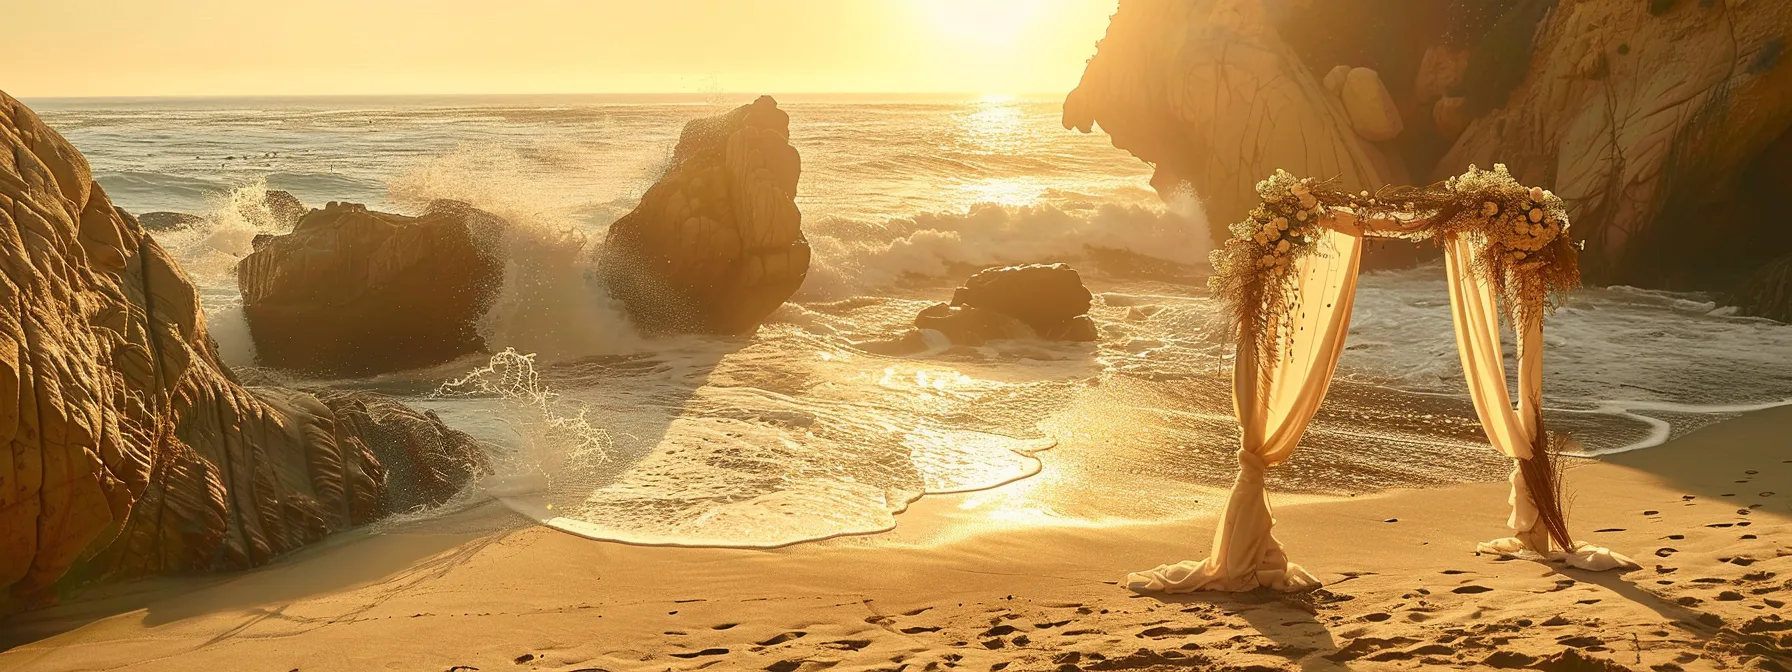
{"x": 916, "y": 630}
{"x": 1162, "y": 632}
{"x": 1665, "y": 552}
{"x": 848, "y": 644}
{"x": 784, "y": 637}
{"x": 698, "y": 654}
{"x": 1470, "y": 589}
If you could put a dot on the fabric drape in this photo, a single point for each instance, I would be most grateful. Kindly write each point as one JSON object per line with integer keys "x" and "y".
{"x": 1475, "y": 309}
{"x": 1272, "y": 420}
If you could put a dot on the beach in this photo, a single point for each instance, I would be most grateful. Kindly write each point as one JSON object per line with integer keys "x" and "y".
{"x": 960, "y": 585}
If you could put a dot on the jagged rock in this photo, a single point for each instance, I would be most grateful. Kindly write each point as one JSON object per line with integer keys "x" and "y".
{"x": 1050, "y": 300}
{"x": 1665, "y": 134}
{"x": 353, "y": 291}
{"x": 126, "y": 446}
{"x": 284, "y": 206}
{"x": 1450, "y": 116}
{"x": 1372, "y": 111}
{"x": 717, "y": 244}
{"x": 1209, "y": 94}
{"x": 168, "y": 221}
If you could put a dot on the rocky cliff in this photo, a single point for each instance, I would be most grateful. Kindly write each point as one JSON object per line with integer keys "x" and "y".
{"x": 352, "y": 291}
{"x": 717, "y": 244}
{"x": 126, "y": 446}
{"x": 1663, "y": 123}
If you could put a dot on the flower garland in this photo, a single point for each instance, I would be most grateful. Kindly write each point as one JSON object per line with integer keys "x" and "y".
{"x": 1521, "y": 233}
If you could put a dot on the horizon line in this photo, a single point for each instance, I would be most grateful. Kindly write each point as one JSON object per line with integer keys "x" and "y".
{"x": 667, "y": 94}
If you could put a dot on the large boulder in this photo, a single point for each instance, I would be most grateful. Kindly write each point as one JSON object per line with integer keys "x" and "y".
{"x": 717, "y": 244}
{"x": 352, "y": 291}
{"x": 126, "y": 446}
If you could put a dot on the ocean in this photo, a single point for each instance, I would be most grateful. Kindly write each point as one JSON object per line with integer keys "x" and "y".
{"x": 795, "y": 434}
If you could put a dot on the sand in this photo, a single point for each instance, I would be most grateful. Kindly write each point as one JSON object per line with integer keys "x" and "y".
{"x": 958, "y": 587}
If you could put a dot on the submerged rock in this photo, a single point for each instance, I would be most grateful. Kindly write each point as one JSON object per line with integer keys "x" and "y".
{"x": 352, "y": 291}
{"x": 168, "y": 221}
{"x": 126, "y": 447}
{"x": 717, "y": 244}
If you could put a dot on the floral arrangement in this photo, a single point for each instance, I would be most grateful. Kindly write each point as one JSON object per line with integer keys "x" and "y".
{"x": 1521, "y": 234}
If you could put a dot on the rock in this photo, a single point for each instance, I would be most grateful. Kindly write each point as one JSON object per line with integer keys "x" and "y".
{"x": 1372, "y": 110}
{"x": 1049, "y": 300}
{"x": 353, "y": 291}
{"x": 1189, "y": 85}
{"x": 1671, "y": 155}
{"x": 168, "y": 221}
{"x": 1334, "y": 80}
{"x": 285, "y": 207}
{"x": 126, "y": 447}
{"x": 717, "y": 244}
{"x": 1450, "y": 116}
{"x": 966, "y": 325}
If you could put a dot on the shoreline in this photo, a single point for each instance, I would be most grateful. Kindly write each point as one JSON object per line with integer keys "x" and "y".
{"x": 955, "y": 587}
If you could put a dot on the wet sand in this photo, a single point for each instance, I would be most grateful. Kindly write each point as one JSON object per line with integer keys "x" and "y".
{"x": 973, "y": 582}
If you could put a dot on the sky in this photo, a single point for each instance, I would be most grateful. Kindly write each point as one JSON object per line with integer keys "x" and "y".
{"x": 75, "y": 48}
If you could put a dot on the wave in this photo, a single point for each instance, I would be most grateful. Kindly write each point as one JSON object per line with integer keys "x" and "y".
{"x": 854, "y": 257}
{"x": 550, "y": 304}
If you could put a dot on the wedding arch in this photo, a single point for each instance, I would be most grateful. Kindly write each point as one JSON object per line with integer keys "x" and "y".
{"x": 1287, "y": 281}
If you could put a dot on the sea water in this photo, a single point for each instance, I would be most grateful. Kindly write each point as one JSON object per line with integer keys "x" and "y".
{"x": 795, "y": 434}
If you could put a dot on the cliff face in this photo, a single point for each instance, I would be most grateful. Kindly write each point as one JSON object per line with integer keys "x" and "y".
{"x": 126, "y": 446}
{"x": 1664, "y": 127}
{"x": 717, "y": 244}
{"x": 1664, "y": 124}
{"x": 353, "y": 292}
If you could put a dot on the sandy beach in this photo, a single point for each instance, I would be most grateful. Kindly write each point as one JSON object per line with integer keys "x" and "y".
{"x": 955, "y": 586}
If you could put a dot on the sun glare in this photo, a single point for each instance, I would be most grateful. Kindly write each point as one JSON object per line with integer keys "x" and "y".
{"x": 987, "y": 22}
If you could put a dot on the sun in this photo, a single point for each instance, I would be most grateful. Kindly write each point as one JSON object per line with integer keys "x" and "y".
{"x": 987, "y": 22}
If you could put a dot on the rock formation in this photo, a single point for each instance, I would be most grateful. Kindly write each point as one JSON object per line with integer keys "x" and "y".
{"x": 126, "y": 446}
{"x": 352, "y": 291}
{"x": 1050, "y": 300}
{"x": 1208, "y": 93}
{"x": 717, "y": 244}
{"x": 1665, "y": 123}
{"x": 1014, "y": 302}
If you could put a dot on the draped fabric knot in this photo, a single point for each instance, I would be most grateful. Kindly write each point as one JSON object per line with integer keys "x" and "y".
{"x": 1251, "y": 468}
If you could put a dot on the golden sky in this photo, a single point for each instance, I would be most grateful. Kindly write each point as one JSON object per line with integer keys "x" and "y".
{"x": 302, "y": 47}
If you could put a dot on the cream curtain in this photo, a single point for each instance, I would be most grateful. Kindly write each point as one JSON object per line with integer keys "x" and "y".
{"x": 1476, "y": 312}
{"x": 1245, "y": 552}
